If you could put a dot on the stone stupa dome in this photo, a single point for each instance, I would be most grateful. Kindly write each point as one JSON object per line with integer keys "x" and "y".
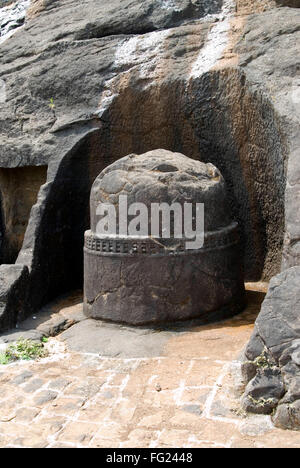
{"x": 161, "y": 176}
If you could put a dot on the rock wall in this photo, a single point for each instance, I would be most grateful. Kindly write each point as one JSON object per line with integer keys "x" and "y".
{"x": 289, "y": 3}
{"x": 214, "y": 118}
{"x": 19, "y": 189}
{"x": 203, "y": 78}
{"x": 273, "y": 64}
{"x": 12, "y": 17}
{"x": 272, "y": 357}
{"x": 14, "y": 301}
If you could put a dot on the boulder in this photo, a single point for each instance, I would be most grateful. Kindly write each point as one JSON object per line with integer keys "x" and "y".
{"x": 278, "y": 323}
{"x": 13, "y": 294}
{"x": 274, "y": 353}
{"x": 264, "y": 391}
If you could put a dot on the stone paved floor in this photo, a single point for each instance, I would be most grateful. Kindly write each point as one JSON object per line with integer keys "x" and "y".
{"x": 186, "y": 397}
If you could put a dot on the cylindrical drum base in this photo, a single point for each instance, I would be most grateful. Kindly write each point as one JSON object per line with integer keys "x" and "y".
{"x": 141, "y": 283}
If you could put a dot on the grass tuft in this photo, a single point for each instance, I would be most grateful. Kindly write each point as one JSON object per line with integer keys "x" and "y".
{"x": 22, "y": 350}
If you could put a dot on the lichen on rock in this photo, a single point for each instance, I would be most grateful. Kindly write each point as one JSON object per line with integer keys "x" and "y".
{"x": 277, "y": 369}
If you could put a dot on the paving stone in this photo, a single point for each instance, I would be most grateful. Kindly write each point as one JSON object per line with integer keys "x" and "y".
{"x": 139, "y": 438}
{"x": 113, "y": 340}
{"x": 66, "y": 406}
{"x": 154, "y": 420}
{"x": 186, "y": 399}
{"x": 50, "y": 425}
{"x": 44, "y": 397}
{"x": 124, "y": 411}
{"x": 216, "y": 431}
{"x": 59, "y": 384}
{"x": 254, "y": 426}
{"x": 24, "y": 436}
{"x": 6, "y": 390}
{"x": 80, "y": 433}
{"x": 86, "y": 390}
{"x": 31, "y": 441}
{"x": 4, "y": 441}
{"x": 34, "y": 385}
{"x": 26, "y": 414}
{"x": 219, "y": 410}
{"x": 118, "y": 379}
{"x": 6, "y": 413}
{"x": 108, "y": 396}
{"x": 22, "y": 378}
{"x": 185, "y": 419}
{"x": 193, "y": 396}
{"x": 94, "y": 413}
{"x": 173, "y": 438}
{"x": 110, "y": 434}
{"x": 203, "y": 372}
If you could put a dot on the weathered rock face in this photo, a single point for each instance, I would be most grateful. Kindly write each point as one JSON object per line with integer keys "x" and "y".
{"x": 273, "y": 354}
{"x": 13, "y": 295}
{"x": 289, "y": 3}
{"x": 21, "y": 186}
{"x": 280, "y": 77}
{"x": 12, "y": 17}
{"x": 140, "y": 276}
{"x": 264, "y": 391}
{"x": 200, "y": 78}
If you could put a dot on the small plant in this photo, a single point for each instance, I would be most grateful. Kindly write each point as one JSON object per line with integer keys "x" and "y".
{"x": 51, "y": 104}
{"x": 4, "y": 359}
{"x": 22, "y": 350}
